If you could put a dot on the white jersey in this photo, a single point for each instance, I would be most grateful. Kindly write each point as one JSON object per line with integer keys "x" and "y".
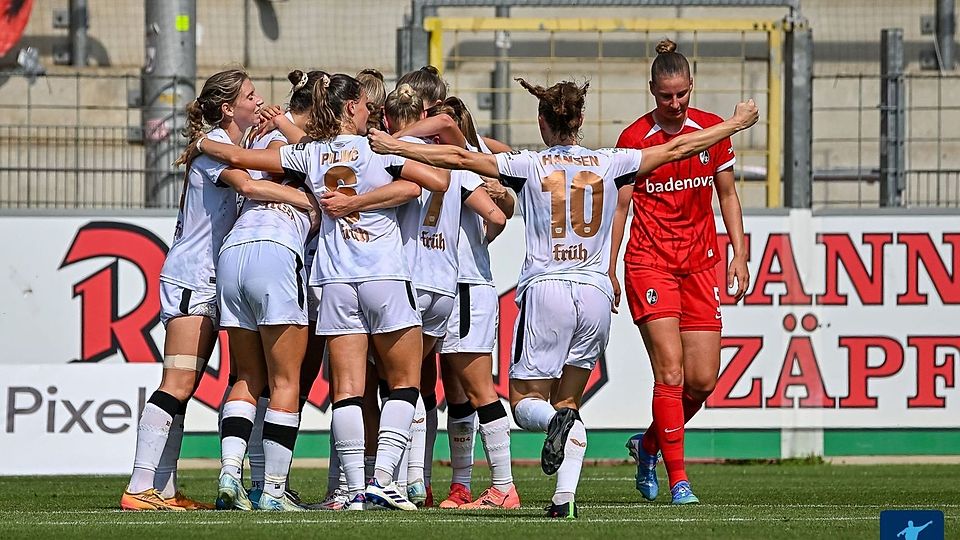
{"x": 408, "y": 218}
{"x": 472, "y": 252}
{"x": 208, "y": 208}
{"x": 362, "y": 246}
{"x": 270, "y": 221}
{"x": 569, "y": 196}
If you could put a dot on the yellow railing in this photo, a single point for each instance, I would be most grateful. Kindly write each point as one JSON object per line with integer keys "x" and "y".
{"x": 774, "y": 30}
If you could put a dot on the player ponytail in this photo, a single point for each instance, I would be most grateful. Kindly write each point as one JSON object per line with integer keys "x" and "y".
{"x": 207, "y": 109}
{"x": 427, "y": 83}
{"x": 403, "y": 107}
{"x": 668, "y": 63}
{"x": 561, "y": 106}
{"x": 301, "y": 94}
{"x": 330, "y": 96}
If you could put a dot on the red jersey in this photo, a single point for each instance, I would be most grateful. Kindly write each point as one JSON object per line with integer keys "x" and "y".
{"x": 673, "y": 226}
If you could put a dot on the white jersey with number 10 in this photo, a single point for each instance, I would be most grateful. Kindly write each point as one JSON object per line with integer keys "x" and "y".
{"x": 568, "y": 195}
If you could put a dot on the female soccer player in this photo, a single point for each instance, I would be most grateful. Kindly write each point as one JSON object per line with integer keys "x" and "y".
{"x": 564, "y": 292}
{"x": 671, "y": 280}
{"x": 228, "y": 102}
{"x": 366, "y": 287}
{"x": 466, "y": 352}
{"x": 263, "y": 305}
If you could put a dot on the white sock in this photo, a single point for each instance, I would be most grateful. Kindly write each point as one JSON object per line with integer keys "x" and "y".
{"x": 461, "y": 432}
{"x": 166, "y": 478}
{"x": 496, "y": 443}
{"x": 429, "y": 446}
{"x": 568, "y": 476}
{"x": 347, "y": 429}
{"x": 235, "y": 428}
{"x": 334, "y": 471}
{"x": 255, "y": 446}
{"x": 395, "y": 421}
{"x": 279, "y": 438}
{"x": 533, "y": 414}
{"x": 418, "y": 441}
{"x": 152, "y": 432}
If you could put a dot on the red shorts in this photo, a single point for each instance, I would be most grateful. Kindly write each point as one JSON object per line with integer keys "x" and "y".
{"x": 694, "y": 299}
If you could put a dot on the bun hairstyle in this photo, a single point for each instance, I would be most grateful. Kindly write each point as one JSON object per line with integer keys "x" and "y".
{"x": 561, "y": 105}
{"x": 427, "y": 83}
{"x": 301, "y": 94}
{"x": 330, "y": 95}
{"x": 668, "y": 63}
{"x": 372, "y": 82}
{"x": 220, "y": 88}
{"x": 403, "y": 106}
{"x": 456, "y": 109}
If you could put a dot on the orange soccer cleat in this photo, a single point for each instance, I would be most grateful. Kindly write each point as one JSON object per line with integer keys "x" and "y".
{"x": 493, "y": 498}
{"x": 182, "y": 501}
{"x": 148, "y": 499}
{"x": 459, "y": 495}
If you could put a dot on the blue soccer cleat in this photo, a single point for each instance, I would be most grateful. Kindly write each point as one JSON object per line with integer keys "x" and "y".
{"x": 682, "y": 494}
{"x": 388, "y": 497}
{"x": 231, "y": 495}
{"x": 254, "y": 496}
{"x": 647, "y": 483}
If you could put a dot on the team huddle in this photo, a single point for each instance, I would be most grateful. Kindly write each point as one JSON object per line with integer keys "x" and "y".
{"x": 354, "y": 226}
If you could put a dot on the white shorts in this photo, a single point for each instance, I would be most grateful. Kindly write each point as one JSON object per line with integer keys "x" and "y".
{"x": 177, "y": 301}
{"x": 313, "y": 302}
{"x": 561, "y": 323}
{"x": 472, "y": 327}
{"x": 371, "y": 307}
{"x": 435, "y": 310}
{"x": 261, "y": 284}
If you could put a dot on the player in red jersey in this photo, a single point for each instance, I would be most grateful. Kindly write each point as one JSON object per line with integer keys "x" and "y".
{"x": 671, "y": 281}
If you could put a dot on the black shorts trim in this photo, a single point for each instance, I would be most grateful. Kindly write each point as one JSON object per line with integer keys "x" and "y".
{"x": 411, "y": 297}
{"x": 521, "y": 326}
{"x": 185, "y": 301}
{"x": 463, "y": 290}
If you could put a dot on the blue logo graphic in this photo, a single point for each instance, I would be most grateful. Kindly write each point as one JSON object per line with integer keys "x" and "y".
{"x": 911, "y": 525}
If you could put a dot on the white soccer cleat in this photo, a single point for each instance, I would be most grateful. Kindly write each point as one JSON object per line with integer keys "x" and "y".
{"x": 388, "y": 497}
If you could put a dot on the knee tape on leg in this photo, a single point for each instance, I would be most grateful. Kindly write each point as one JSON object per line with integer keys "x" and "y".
{"x": 184, "y": 361}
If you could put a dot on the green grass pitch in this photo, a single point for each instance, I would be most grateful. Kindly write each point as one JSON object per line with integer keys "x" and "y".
{"x": 765, "y": 501}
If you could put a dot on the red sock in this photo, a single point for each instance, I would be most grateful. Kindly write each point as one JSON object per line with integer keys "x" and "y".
{"x": 668, "y": 417}
{"x": 691, "y": 406}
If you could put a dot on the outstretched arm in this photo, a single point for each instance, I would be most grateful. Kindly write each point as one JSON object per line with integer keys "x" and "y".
{"x": 686, "y": 145}
{"x": 438, "y": 155}
{"x": 496, "y": 146}
{"x": 267, "y": 160}
{"x": 266, "y": 191}
{"x": 440, "y": 125}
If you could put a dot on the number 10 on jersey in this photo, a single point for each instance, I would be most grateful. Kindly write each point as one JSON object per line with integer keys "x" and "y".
{"x": 556, "y": 185}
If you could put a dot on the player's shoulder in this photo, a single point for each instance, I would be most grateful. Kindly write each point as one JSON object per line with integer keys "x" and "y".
{"x": 703, "y": 118}
{"x": 638, "y": 130}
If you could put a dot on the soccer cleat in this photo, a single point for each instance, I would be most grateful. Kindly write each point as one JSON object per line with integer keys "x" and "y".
{"x": 417, "y": 493}
{"x": 231, "y": 495}
{"x": 254, "y": 496}
{"x": 283, "y": 503}
{"x": 563, "y": 511}
{"x": 647, "y": 483}
{"x": 148, "y": 499}
{"x": 359, "y": 502}
{"x": 682, "y": 494}
{"x": 552, "y": 455}
{"x": 336, "y": 500}
{"x": 459, "y": 496}
{"x": 181, "y": 500}
{"x": 493, "y": 498}
{"x": 387, "y": 497}
{"x": 428, "y": 502}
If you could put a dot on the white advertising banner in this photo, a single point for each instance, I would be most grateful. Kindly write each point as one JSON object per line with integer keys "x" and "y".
{"x": 69, "y": 419}
{"x": 850, "y": 321}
